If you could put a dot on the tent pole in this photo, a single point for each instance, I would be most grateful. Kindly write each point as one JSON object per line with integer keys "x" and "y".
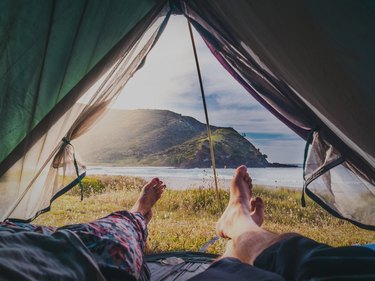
{"x": 206, "y": 115}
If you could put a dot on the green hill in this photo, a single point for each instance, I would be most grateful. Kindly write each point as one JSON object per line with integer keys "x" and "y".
{"x": 164, "y": 138}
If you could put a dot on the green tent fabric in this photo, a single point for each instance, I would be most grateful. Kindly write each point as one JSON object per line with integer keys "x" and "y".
{"x": 52, "y": 54}
{"x": 48, "y": 50}
{"x": 309, "y": 62}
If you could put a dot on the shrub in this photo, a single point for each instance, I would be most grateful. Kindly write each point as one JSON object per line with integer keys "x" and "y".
{"x": 90, "y": 186}
{"x": 98, "y": 184}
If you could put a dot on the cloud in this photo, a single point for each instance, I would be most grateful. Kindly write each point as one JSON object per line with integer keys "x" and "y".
{"x": 169, "y": 80}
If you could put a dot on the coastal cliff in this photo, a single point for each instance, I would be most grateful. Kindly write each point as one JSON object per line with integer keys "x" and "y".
{"x": 164, "y": 138}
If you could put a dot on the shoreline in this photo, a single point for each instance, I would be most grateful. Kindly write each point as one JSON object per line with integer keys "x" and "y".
{"x": 201, "y": 181}
{"x": 203, "y": 178}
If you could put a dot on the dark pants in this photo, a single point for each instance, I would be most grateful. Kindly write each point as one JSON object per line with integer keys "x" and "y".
{"x": 298, "y": 258}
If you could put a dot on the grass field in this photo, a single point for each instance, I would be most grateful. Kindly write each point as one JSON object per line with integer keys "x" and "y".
{"x": 185, "y": 220}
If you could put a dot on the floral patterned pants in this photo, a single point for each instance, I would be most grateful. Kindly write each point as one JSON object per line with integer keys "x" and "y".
{"x": 116, "y": 241}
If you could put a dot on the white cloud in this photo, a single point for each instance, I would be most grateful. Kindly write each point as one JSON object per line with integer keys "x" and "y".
{"x": 169, "y": 80}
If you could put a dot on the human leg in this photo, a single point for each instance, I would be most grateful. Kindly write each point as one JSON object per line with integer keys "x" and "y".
{"x": 150, "y": 194}
{"x": 117, "y": 241}
{"x": 242, "y": 219}
{"x": 290, "y": 255}
{"x": 301, "y": 258}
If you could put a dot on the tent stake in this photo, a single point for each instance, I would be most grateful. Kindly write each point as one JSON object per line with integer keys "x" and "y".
{"x": 206, "y": 115}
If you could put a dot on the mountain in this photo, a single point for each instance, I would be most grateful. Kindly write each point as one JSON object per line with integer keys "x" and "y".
{"x": 164, "y": 138}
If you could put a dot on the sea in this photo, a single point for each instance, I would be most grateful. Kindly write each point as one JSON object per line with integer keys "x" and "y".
{"x": 176, "y": 178}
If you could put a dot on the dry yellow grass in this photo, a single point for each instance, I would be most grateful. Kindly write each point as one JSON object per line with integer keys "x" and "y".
{"x": 185, "y": 220}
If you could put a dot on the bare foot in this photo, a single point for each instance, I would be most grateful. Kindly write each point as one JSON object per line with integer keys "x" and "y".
{"x": 257, "y": 210}
{"x": 256, "y": 204}
{"x": 150, "y": 194}
{"x": 237, "y": 218}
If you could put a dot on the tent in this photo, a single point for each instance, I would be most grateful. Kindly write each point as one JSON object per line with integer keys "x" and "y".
{"x": 310, "y": 63}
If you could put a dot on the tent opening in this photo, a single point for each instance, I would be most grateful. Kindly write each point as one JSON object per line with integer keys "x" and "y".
{"x": 146, "y": 97}
{"x": 292, "y": 59}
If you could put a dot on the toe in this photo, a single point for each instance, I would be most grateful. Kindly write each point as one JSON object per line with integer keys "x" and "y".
{"x": 158, "y": 185}
{"x": 259, "y": 203}
{"x": 152, "y": 183}
{"x": 248, "y": 179}
{"x": 155, "y": 181}
{"x": 252, "y": 204}
{"x": 160, "y": 190}
{"x": 241, "y": 170}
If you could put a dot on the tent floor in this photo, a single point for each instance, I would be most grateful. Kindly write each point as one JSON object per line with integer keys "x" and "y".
{"x": 180, "y": 266}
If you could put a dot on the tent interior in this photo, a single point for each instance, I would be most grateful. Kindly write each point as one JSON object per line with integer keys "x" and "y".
{"x": 310, "y": 63}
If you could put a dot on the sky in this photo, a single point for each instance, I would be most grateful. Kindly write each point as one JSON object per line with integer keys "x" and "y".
{"x": 169, "y": 80}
